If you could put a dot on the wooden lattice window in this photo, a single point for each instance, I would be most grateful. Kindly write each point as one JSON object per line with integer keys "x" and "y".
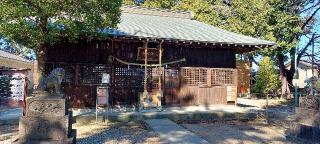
{"x": 208, "y": 76}
{"x": 171, "y": 78}
{"x": 129, "y": 77}
{"x": 193, "y": 76}
{"x": 92, "y": 74}
{"x": 222, "y": 76}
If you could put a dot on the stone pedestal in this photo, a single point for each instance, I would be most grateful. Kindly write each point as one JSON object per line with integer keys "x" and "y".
{"x": 306, "y": 124}
{"x": 47, "y": 120}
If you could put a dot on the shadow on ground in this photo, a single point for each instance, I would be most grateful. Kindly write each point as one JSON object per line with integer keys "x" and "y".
{"x": 124, "y": 133}
{"x": 241, "y": 132}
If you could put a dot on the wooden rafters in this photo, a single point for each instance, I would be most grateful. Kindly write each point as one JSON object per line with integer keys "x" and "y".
{"x": 239, "y": 48}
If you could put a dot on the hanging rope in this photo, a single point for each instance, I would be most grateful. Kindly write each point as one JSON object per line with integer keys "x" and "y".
{"x": 149, "y": 65}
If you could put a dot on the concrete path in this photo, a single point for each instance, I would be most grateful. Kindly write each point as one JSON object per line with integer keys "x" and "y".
{"x": 10, "y": 114}
{"x": 215, "y": 112}
{"x": 172, "y": 133}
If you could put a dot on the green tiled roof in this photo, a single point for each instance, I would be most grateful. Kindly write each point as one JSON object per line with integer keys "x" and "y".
{"x": 150, "y": 23}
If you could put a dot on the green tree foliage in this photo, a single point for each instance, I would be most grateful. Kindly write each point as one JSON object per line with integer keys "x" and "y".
{"x": 266, "y": 19}
{"x": 165, "y": 4}
{"x": 267, "y": 79}
{"x": 37, "y": 23}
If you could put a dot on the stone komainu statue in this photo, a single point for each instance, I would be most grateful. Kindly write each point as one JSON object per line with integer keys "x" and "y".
{"x": 53, "y": 80}
{"x": 313, "y": 86}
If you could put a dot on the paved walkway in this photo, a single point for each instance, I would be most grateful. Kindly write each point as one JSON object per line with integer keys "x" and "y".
{"x": 11, "y": 114}
{"x": 172, "y": 133}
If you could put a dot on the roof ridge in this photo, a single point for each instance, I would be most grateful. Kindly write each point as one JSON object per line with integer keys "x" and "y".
{"x": 157, "y": 12}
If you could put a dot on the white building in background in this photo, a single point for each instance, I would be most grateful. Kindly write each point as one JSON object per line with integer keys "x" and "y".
{"x": 305, "y": 72}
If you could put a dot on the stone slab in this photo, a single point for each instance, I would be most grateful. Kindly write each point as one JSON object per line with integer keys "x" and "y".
{"x": 307, "y": 117}
{"x": 304, "y": 131}
{"x": 43, "y": 128}
{"x": 173, "y": 133}
{"x": 46, "y": 106}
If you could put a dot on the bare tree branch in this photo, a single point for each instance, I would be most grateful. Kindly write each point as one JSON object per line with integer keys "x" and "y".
{"x": 310, "y": 18}
{"x": 311, "y": 7}
{"x": 303, "y": 50}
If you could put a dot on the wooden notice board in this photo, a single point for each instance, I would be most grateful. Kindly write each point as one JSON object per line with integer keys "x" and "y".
{"x": 102, "y": 96}
{"x": 232, "y": 93}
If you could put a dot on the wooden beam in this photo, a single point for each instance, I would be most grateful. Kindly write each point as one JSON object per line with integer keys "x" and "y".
{"x": 145, "y": 46}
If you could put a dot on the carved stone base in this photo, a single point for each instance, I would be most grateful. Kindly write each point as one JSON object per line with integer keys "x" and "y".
{"x": 304, "y": 131}
{"x": 46, "y": 106}
{"x": 306, "y": 124}
{"x": 46, "y": 121}
{"x": 34, "y": 128}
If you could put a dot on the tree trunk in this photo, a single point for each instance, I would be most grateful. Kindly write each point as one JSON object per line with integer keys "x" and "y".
{"x": 40, "y": 54}
{"x": 41, "y": 51}
{"x": 284, "y": 77}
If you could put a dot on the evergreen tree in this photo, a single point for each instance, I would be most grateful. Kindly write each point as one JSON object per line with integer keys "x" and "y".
{"x": 267, "y": 79}
{"x": 37, "y": 23}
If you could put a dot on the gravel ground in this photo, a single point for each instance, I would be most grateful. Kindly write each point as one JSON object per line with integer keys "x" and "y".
{"x": 275, "y": 106}
{"x": 228, "y": 132}
{"x": 236, "y": 132}
{"x": 115, "y": 133}
{"x": 8, "y": 133}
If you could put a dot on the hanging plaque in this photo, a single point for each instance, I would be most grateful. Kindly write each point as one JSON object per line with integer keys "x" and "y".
{"x": 105, "y": 78}
{"x": 153, "y": 54}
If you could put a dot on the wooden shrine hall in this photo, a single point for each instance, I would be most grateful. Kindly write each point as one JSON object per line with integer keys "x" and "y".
{"x": 154, "y": 51}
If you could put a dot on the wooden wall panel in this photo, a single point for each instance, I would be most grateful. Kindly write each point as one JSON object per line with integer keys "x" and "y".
{"x": 206, "y": 96}
{"x": 206, "y": 86}
{"x": 80, "y": 96}
{"x": 95, "y": 53}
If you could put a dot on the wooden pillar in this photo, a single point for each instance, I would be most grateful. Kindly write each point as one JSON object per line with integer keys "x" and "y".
{"x": 145, "y": 46}
{"x": 209, "y": 77}
{"x": 160, "y": 62}
{"x": 77, "y": 74}
{"x": 113, "y": 72}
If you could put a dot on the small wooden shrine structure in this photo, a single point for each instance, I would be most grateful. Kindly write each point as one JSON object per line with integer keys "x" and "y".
{"x": 153, "y": 50}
